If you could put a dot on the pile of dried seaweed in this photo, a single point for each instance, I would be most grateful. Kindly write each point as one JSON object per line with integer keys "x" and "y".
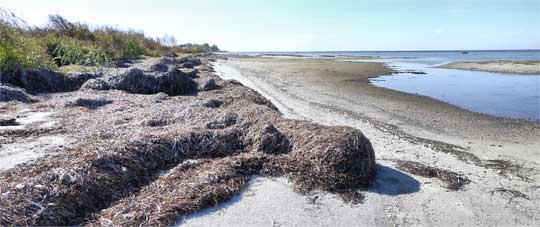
{"x": 165, "y": 171}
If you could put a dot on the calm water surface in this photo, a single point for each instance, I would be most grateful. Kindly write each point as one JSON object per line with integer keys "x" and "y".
{"x": 503, "y": 95}
{"x": 498, "y": 94}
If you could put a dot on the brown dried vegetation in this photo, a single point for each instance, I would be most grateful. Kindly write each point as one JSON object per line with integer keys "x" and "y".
{"x": 140, "y": 174}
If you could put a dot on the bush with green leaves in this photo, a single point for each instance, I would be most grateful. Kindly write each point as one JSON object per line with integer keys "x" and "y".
{"x": 19, "y": 50}
{"x": 64, "y": 43}
{"x": 67, "y": 51}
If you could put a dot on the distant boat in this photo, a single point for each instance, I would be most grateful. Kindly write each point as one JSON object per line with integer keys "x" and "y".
{"x": 464, "y": 52}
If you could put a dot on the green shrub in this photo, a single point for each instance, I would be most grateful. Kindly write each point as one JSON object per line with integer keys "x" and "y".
{"x": 8, "y": 57}
{"x": 64, "y": 43}
{"x": 66, "y": 52}
{"x": 132, "y": 50}
{"x": 19, "y": 50}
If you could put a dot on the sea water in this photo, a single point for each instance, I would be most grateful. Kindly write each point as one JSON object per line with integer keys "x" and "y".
{"x": 497, "y": 94}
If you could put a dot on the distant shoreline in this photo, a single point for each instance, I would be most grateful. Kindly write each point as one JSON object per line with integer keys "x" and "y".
{"x": 435, "y": 57}
{"x": 501, "y": 66}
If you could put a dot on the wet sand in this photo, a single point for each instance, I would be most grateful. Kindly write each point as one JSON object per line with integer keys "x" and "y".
{"x": 513, "y": 67}
{"x": 500, "y": 156}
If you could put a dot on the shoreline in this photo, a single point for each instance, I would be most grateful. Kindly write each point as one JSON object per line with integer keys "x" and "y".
{"x": 522, "y": 67}
{"x": 314, "y": 90}
{"x": 354, "y": 81}
{"x": 157, "y": 148}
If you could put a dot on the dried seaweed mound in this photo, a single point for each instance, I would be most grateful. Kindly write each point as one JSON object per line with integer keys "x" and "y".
{"x": 173, "y": 82}
{"x": 8, "y": 93}
{"x": 335, "y": 158}
{"x": 46, "y": 81}
{"x": 64, "y": 189}
{"x": 66, "y": 195}
{"x": 88, "y": 103}
{"x": 165, "y": 173}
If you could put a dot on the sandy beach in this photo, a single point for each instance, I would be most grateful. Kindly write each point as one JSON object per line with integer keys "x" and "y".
{"x": 255, "y": 141}
{"x": 513, "y": 67}
{"x": 270, "y": 113}
{"x": 498, "y": 155}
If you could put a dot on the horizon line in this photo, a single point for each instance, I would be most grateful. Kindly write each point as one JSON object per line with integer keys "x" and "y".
{"x": 450, "y": 50}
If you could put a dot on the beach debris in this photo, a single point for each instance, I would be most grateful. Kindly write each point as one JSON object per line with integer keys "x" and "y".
{"x": 46, "y": 81}
{"x": 352, "y": 197}
{"x": 174, "y": 82}
{"x": 454, "y": 181}
{"x": 159, "y": 67}
{"x": 157, "y": 121}
{"x": 189, "y": 62}
{"x": 270, "y": 140}
{"x": 179, "y": 157}
{"x": 504, "y": 167}
{"x": 88, "y": 103}
{"x": 212, "y": 103}
{"x": 224, "y": 121}
{"x": 511, "y": 193}
{"x": 8, "y": 121}
{"x": 171, "y": 55}
{"x": 9, "y": 93}
{"x": 95, "y": 84}
{"x": 208, "y": 85}
{"x": 409, "y": 71}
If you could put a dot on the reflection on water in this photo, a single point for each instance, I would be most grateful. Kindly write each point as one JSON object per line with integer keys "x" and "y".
{"x": 504, "y": 95}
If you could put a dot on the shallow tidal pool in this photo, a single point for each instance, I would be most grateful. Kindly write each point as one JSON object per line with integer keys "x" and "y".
{"x": 497, "y": 94}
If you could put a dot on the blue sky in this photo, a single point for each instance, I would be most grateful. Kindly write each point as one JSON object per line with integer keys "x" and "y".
{"x": 310, "y": 25}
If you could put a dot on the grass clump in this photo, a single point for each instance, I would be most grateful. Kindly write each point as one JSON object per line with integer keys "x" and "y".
{"x": 69, "y": 51}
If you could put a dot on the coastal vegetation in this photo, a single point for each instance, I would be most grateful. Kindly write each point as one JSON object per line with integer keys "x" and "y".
{"x": 62, "y": 42}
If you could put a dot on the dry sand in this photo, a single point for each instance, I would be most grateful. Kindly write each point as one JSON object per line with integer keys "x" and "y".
{"x": 500, "y": 156}
{"x": 514, "y": 67}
